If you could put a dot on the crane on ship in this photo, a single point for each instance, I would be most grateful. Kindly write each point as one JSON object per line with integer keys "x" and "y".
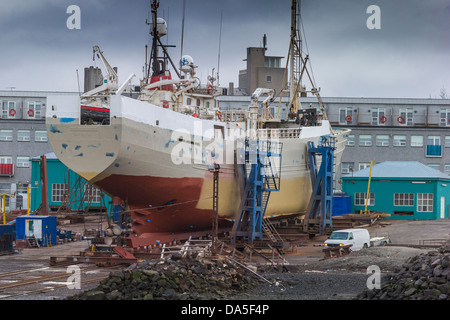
{"x": 110, "y": 78}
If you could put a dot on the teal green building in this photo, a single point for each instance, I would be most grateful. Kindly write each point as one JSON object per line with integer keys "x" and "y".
{"x": 66, "y": 189}
{"x": 404, "y": 189}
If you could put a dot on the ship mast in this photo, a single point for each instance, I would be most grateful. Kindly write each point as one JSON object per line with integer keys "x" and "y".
{"x": 298, "y": 66}
{"x": 157, "y": 64}
{"x": 156, "y": 70}
{"x": 295, "y": 58}
{"x": 295, "y": 62}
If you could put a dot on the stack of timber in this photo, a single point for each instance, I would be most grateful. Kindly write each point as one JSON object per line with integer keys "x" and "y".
{"x": 356, "y": 220}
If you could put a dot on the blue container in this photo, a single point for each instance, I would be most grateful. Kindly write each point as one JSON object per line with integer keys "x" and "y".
{"x": 43, "y": 228}
{"x": 6, "y": 238}
{"x": 342, "y": 204}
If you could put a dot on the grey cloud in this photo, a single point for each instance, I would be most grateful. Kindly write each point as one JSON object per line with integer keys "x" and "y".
{"x": 407, "y": 57}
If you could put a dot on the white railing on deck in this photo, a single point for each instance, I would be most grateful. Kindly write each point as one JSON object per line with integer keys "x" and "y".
{"x": 234, "y": 116}
{"x": 291, "y": 133}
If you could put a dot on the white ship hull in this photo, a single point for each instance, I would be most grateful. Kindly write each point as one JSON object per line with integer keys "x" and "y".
{"x": 156, "y": 160}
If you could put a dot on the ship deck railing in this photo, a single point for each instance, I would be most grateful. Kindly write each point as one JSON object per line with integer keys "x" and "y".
{"x": 234, "y": 116}
{"x": 285, "y": 133}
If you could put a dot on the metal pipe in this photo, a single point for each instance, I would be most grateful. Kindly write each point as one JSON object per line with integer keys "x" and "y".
{"x": 368, "y": 187}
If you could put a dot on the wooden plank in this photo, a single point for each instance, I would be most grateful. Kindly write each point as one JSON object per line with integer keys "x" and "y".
{"x": 123, "y": 253}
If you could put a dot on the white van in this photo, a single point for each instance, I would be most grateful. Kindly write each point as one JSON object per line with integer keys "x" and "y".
{"x": 358, "y": 238}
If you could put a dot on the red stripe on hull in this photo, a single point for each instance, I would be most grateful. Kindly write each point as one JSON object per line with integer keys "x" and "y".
{"x": 95, "y": 109}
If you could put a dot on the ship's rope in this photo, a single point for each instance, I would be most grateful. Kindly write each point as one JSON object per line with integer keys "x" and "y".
{"x": 166, "y": 205}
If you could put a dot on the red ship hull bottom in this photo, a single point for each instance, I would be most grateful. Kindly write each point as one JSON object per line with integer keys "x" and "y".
{"x": 162, "y": 209}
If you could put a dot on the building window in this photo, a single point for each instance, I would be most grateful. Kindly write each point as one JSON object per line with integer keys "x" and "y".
{"x": 92, "y": 194}
{"x": 404, "y": 199}
{"x": 40, "y": 136}
{"x": 434, "y": 140}
{"x": 23, "y": 162}
{"x": 360, "y": 199}
{"x": 365, "y": 140}
{"x": 405, "y": 117}
{"x": 447, "y": 169}
{"x": 6, "y": 168}
{"x": 434, "y": 148}
{"x": 345, "y": 115}
{"x": 23, "y": 135}
{"x": 416, "y": 141}
{"x": 5, "y": 160}
{"x": 435, "y": 166}
{"x": 8, "y": 109}
{"x": 399, "y": 141}
{"x": 58, "y": 192}
{"x": 347, "y": 167}
{"x": 269, "y": 78}
{"x": 198, "y": 102}
{"x": 363, "y": 165}
{"x": 4, "y": 111}
{"x": 379, "y": 117}
{"x": 188, "y": 101}
{"x": 424, "y": 202}
{"x": 447, "y": 141}
{"x": 382, "y": 140}
{"x": 6, "y": 135}
{"x": 445, "y": 117}
{"x": 34, "y": 110}
{"x": 272, "y": 62}
{"x": 350, "y": 140}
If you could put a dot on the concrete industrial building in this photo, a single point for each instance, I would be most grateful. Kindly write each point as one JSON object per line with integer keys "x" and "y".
{"x": 262, "y": 71}
{"x": 393, "y": 129}
{"x": 23, "y": 135}
{"x": 382, "y": 128}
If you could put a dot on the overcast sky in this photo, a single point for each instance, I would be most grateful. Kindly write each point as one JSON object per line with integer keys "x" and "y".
{"x": 408, "y": 57}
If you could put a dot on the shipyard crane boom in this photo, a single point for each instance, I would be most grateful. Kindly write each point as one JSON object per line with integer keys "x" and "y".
{"x": 111, "y": 77}
{"x": 110, "y": 80}
{"x": 253, "y": 108}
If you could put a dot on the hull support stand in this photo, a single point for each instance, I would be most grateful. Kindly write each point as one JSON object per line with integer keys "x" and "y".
{"x": 319, "y": 213}
{"x": 263, "y": 160}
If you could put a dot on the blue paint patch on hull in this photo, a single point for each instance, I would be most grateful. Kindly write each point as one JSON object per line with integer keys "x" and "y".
{"x": 53, "y": 129}
{"x": 67, "y": 120}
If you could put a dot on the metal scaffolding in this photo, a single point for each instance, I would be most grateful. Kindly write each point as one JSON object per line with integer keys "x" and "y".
{"x": 319, "y": 213}
{"x": 263, "y": 160}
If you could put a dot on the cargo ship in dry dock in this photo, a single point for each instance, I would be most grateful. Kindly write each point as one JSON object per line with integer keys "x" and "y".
{"x": 153, "y": 152}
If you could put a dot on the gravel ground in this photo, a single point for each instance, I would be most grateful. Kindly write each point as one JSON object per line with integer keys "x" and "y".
{"x": 333, "y": 279}
{"x": 387, "y": 258}
{"x": 308, "y": 277}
